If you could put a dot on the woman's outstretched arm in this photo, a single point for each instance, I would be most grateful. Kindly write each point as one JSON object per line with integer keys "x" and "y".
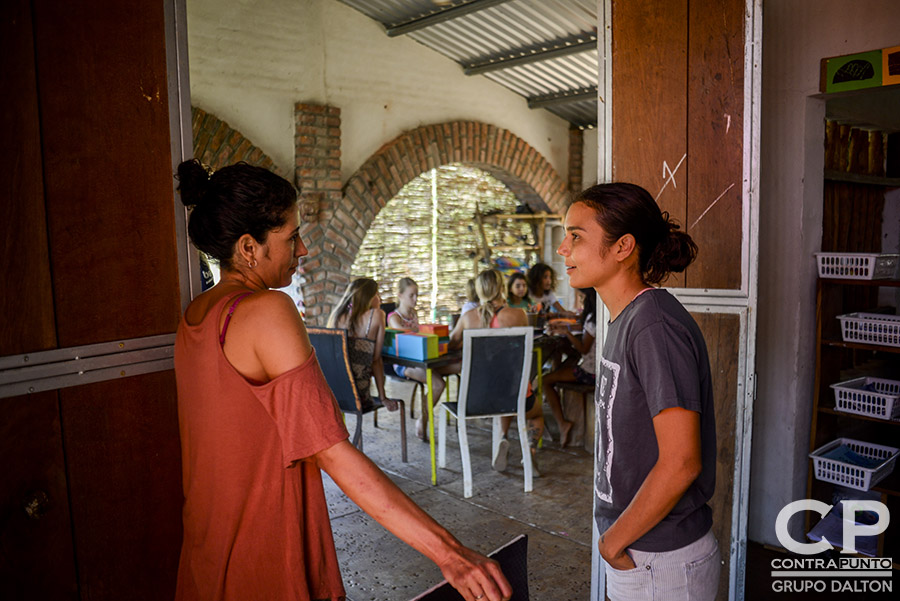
{"x": 469, "y": 572}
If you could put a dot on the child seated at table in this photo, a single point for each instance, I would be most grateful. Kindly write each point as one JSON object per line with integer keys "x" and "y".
{"x": 541, "y": 284}
{"x": 471, "y": 297}
{"x": 517, "y": 292}
{"x": 574, "y": 368}
{"x": 359, "y": 312}
{"x": 405, "y": 318}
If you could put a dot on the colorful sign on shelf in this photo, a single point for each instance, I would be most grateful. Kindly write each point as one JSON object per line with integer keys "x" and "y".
{"x": 871, "y": 69}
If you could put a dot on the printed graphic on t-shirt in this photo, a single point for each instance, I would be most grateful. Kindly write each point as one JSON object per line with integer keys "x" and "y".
{"x": 605, "y": 398}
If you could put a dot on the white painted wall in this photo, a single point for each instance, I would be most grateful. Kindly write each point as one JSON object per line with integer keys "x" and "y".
{"x": 251, "y": 60}
{"x": 796, "y": 35}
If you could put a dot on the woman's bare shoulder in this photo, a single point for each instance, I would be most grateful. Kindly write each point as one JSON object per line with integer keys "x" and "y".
{"x": 273, "y": 328}
{"x": 264, "y": 315}
{"x": 471, "y": 319}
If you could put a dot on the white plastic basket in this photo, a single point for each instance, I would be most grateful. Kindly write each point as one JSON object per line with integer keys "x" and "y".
{"x": 850, "y": 397}
{"x": 854, "y": 476}
{"x": 857, "y": 266}
{"x": 871, "y": 328}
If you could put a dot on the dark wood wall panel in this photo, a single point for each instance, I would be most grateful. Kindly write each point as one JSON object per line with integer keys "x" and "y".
{"x": 715, "y": 135}
{"x": 101, "y": 68}
{"x": 649, "y": 100}
{"x": 677, "y": 106}
{"x": 722, "y": 335}
{"x": 36, "y": 558}
{"x": 26, "y": 317}
{"x": 124, "y": 462}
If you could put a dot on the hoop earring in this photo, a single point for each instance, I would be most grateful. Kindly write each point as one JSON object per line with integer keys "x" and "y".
{"x": 252, "y": 264}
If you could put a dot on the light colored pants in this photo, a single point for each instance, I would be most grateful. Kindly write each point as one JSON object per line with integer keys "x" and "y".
{"x": 690, "y": 573}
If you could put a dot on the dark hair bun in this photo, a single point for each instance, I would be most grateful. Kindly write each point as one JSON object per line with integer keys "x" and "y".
{"x": 674, "y": 253}
{"x": 193, "y": 182}
{"x": 235, "y": 200}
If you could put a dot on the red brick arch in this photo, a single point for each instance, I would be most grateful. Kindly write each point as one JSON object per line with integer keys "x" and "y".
{"x": 217, "y": 144}
{"x": 336, "y": 237}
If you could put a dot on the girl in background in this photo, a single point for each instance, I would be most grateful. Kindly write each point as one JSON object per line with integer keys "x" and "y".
{"x": 517, "y": 292}
{"x": 541, "y": 284}
{"x": 573, "y": 369}
{"x": 359, "y": 312}
{"x": 655, "y": 413}
{"x": 471, "y": 297}
{"x": 405, "y": 318}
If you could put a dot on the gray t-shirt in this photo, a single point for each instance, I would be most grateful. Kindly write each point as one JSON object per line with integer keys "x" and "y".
{"x": 654, "y": 358}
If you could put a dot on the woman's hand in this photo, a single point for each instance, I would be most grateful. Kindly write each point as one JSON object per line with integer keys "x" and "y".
{"x": 618, "y": 560}
{"x": 476, "y": 577}
{"x": 558, "y": 329}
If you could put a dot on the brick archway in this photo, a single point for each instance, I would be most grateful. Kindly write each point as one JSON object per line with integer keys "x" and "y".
{"x": 217, "y": 144}
{"x": 336, "y": 237}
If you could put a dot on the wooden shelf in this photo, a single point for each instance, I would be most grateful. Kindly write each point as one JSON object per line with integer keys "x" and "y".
{"x": 537, "y": 221}
{"x": 836, "y": 413}
{"x": 890, "y": 485}
{"x": 833, "y": 360}
{"x": 861, "y": 346}
{"x": 858, "y": 178}
{"x": 848, "y": 282}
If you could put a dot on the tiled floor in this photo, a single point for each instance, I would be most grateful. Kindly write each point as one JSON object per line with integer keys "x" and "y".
{"x": 555, "y": 515}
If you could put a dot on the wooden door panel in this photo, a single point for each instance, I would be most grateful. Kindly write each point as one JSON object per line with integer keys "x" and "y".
{"x": 36, "y": 557}
{"x": 124, "y": 463}
{"x": 105, "y": 130}
{"x": 88, "y": 202}
{"x": 26, "y": 317}
{"x": 649, "y": 88}
{"x": 722, "y": 335}
{"x": 677, "y": 107}
{"x": 715, "y": 140}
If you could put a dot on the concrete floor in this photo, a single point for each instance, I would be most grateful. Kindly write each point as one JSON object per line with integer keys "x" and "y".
{"x": 556, "y": 515}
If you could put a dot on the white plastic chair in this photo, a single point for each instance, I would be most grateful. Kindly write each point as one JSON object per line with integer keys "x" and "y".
{"x": 496, "y": 368}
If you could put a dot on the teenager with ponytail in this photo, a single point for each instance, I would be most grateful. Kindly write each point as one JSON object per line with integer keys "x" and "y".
{"x": 656, "y": 452}
{"x": 491, "y": 311}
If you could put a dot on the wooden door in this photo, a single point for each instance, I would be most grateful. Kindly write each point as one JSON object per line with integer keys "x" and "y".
{"x": 91, "y": 487}
{"x": 681, "y": 122}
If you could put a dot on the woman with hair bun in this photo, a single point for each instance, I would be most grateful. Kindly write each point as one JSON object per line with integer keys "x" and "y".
{"x": 656, "y": 428}
{"x": 258, "y": 421}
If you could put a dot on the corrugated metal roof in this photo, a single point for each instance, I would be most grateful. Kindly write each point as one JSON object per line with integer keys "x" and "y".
{"x": 544, "y": 50}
